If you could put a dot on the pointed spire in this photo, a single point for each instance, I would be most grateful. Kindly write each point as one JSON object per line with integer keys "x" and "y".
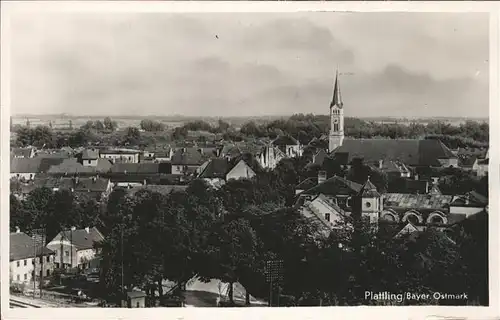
{"x": 337, "y": 97}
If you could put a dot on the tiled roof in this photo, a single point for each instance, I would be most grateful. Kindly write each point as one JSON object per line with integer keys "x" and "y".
{"x": 163, "y": 189}
{"x": 216, "y": 168}
{"x": 47, "y": 162}
{"x": 136, "y": 168}
{"x": 187, "y": 156}
{"x": 119, "y": 151}
{"x": 22, "y": 246}
{"x": 79, "y": 184}
{"x": 25, "y": 165}
{"x": 307, "y": 184}
{"x": 70, "y": 166}
{"x": 22, "y": 152}
{"x": 80, "y": 238}
{"x": 285, "y": 140}
{"x": 409, "y": 151}
{"x": 319, "y": 157}
{"x": 90, "y": 154}
{"x": 417, "y": 201}
{"x": 475, "y": 200}
{"x": 335, "y": 186}
{"x": 369, "y": 190}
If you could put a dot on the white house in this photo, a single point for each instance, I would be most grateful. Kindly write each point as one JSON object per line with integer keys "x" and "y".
{"x": 75, "y": 248}
{"x": 26, "y": 257}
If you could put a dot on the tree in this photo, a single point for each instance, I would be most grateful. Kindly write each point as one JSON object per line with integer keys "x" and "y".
{"x": 109, "y": 124}
{"x": 132, "y": 135}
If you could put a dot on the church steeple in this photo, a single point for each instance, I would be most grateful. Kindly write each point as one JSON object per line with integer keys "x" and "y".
{"x": 336, "y": 136}
{"x": 337, "y": 97}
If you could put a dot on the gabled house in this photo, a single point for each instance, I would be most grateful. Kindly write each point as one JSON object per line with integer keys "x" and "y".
{"x": 469, "y": 204}
{"x": 75, "y": 247}
{"x": 24, "y": 169}
{"x": 186, "y": 160}
{"x": 95, "y": 186}
{"x": 27, "y": 258}
{"x": 220, "y": 170}
{"x": 90, "y": 158}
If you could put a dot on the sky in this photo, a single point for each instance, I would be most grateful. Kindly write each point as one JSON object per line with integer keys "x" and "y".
{"x": 250, "y": 64}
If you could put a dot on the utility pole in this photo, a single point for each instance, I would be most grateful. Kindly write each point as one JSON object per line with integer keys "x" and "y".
{"x": 274, "y": 274}
{"x": 38, "y": 241}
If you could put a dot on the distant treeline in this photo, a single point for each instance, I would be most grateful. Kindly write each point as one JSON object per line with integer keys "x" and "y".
{"x": 303, "y": 127}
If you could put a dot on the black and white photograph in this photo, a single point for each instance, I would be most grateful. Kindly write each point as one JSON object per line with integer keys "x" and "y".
{"x": 247, "y": 159}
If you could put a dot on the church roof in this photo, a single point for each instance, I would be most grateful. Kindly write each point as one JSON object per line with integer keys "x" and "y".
{"x": 337, "y": 97}
{"x": 335, "y": 186}
{"x": 409, "y": 151}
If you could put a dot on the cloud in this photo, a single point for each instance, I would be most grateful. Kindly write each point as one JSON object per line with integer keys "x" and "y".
{"x": 258, "y": 64}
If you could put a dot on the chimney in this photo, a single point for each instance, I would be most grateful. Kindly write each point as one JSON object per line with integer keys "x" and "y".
{"x": 467, "y": 198}
{"x": 183, "y": 150}
{"x": 18, "y": 230}
{"x": 76, "y": 180}
{"x": 87, "y": 229}
{"x": 380, "y": 164}
{"x": 321, "y": 176}
{"x": 144, "y": 182}
{"x": 416, "y": 177}
{"x": 435, "y": 180}
{"x": 73, "y": 228}
{"x": 426, "y": 187}
{"x": 94, "y": 179}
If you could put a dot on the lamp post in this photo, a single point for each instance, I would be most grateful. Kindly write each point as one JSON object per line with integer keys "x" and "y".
{"x": 274, "y": 273}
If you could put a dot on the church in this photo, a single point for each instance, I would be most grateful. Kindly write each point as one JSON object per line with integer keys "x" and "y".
{"x": 326, "y": 200}
{"x": 383, "y": 152}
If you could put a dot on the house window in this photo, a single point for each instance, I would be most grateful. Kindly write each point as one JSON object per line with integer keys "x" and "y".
{"x": 25, "y": 262}
{"x": 18, "y": 264}
{"x": 138, "y": 305}
{"x": 66, "y": 253}
{"x": 89, "y": 161}
{"x": 41, "y": 259}
{"x": 48, "y": 258}
{"x": 18, "y": 278}
{"x": 48, "y": 272}
{"x": 25, "y": 276}
{"x": 327, "y": 216}
{"x": 368, "y": 204}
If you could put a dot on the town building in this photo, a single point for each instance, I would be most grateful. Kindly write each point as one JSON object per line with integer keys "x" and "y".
{"x": 75, "y": 248}
{"x": 27, "y": 258}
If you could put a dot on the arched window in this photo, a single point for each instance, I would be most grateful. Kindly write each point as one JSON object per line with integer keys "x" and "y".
{"x": 389, "y": 217}
{"x": 327, "y": 217}
{"x": 437, "y": 218}
{"x": 413, "y": 217}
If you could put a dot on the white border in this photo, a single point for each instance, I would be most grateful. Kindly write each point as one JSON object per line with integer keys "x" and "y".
{"x": 490, "y": 312}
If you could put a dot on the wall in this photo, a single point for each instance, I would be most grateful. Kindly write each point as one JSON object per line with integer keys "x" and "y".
{"x": 27, "y": 269}
{"x": 89, "y": 162}
{"x": 468, "y": 211}
{"x": 69, "y": 253}
{"x": 130, "y": 158}
{"x": 240, "y": 171}
{"x": 84, "y": 256}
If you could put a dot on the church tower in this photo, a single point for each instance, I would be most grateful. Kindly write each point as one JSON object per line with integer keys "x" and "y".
{"x": 336, "y": 136}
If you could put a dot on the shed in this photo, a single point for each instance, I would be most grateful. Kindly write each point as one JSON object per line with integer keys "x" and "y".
{"x": 136, "y": 299}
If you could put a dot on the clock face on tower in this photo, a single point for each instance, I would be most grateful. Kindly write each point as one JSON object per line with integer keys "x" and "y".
{"x": 335, "y": 120}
